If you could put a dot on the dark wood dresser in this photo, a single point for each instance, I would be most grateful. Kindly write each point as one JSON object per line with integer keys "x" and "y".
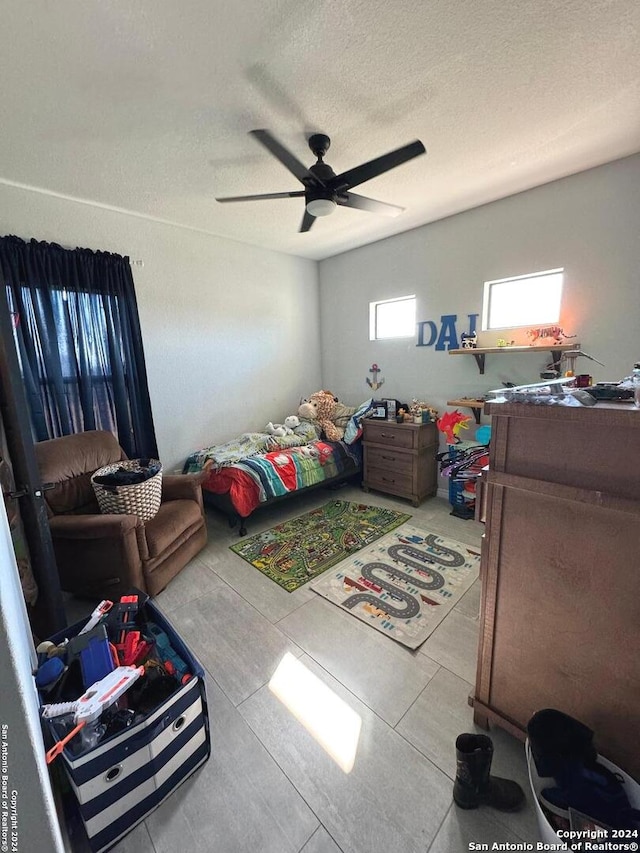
{"x": 400, "y": 459}
{"x": 560, "y": 611}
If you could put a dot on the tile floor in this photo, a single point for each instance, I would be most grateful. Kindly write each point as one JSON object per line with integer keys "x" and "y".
{"x": 268, "y": 786}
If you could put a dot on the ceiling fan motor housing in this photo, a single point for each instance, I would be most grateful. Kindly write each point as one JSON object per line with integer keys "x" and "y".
{"x": 322, "y": 190}
{"x": 319, "y": 143}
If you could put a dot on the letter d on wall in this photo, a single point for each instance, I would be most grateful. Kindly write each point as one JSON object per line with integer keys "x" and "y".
{"x": 432, "y": 329}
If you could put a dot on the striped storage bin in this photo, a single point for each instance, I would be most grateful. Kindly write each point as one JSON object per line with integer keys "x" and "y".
{"x": 119, "y": 782}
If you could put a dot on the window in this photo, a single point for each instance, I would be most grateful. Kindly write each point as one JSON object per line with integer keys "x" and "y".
{"x": 83, "y": 378}
{"x": 79, "y": 344}
{"x": 525, "y": 300}
{"x": 392, "y": 318}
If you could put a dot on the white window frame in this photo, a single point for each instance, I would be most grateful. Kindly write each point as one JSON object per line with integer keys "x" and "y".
{"x": 486, "y": 301}
{"x": 373, "y": 318}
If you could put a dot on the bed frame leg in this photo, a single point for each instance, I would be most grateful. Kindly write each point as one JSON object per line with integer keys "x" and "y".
{"x": 243, "y": 529}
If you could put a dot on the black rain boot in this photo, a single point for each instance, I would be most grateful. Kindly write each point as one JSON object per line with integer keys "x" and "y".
{"x": 474, "y": 786}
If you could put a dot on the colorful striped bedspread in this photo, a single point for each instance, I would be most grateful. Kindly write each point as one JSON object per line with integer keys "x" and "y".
{"x": 260, "y": 478}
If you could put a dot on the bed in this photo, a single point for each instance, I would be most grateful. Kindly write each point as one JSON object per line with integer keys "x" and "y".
{"x": 257, "y": 469}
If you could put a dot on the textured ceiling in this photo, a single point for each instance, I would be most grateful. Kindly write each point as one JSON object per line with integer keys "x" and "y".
{"x": 146, "y": 105}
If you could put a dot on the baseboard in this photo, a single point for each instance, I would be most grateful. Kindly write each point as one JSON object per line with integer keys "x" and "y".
{"x": 443, "y": 493}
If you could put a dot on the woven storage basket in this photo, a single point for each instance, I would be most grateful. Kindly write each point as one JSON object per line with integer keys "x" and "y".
{"x": 141, "y": 499}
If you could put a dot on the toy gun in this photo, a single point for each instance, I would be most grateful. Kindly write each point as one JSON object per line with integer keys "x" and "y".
{"x": 101, "y": 610}
{"x": 92, "y": 703}
{"x": 172, "y": 662}
{"x": 130, "y": 646}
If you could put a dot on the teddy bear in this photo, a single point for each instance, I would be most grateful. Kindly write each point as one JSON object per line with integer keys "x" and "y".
{"x": 321, "y": 407}
{"x": 287, "y": 428}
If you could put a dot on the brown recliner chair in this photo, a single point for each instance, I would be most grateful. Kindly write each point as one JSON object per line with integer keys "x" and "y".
{"x": 102, "y": 556}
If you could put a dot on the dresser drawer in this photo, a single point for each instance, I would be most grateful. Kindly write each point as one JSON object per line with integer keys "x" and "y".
{"x": 389, "y": 460}
{"x": 389, "y": 434}
{"x": 389, "y": 481}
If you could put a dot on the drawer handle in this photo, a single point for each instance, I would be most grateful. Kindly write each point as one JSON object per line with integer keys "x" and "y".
{"x": 390, "y": 458}
{"x": 179, "y": 723}
{"x": 388, "y": 480}
{"x": 113, "y": 773}
{"x": 388, "y": 435}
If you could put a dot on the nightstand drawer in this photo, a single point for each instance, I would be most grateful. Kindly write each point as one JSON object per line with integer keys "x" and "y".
{"x": 393, "y": 435}
{"x": 389, "y": 460}
{"x": 389, "y": 481}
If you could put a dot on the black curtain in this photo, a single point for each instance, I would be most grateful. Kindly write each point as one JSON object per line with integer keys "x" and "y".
{"x": 77, "y": 332}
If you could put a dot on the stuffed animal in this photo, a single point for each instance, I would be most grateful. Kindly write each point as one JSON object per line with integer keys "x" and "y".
{"x": 287, "y": 428}
{"x": 277, "y": 430}
{"x": 321, "y": 407}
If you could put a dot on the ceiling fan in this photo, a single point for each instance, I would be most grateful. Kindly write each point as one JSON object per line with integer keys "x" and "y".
{"x": 323, "y": 189}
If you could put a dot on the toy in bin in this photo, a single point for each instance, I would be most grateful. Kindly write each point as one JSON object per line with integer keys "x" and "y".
{"x": 143, "y": 743}
{"x": 89, "y": 707}
{"x": 171, "y": 661}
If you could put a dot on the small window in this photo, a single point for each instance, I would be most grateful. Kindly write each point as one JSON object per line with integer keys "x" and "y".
{"x": 392, "y": 318}
{"x": 526, "y": 300}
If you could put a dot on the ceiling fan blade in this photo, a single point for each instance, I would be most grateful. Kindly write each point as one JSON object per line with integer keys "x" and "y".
{"x": 295, "y": 194}
{"x": 288, "y": 160}
{"x": 307, "y": 221}
{"x": 376, "y": 167}
{"x": 369, "y": 204}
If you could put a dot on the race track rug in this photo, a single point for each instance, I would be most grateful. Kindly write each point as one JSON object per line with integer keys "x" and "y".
{"x": 298, "y": 550}
{"x": 404, "y": 584}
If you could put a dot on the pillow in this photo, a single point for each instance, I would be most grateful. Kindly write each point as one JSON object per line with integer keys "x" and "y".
{"x": 354, "y": 427}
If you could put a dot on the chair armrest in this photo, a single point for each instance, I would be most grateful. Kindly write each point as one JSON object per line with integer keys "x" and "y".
{"x": 182, "y": 487}
{"x": 93, "y": 526}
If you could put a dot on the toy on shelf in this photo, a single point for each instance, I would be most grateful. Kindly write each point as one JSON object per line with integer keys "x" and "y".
{"x": 469, "y": 340}
{"x": 422, "y": 412}
{"x": 548, "y": 335}
{"x": 451, "y": 423}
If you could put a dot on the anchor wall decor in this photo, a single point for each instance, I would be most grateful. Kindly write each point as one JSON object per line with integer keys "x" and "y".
{"x": 375, "y": 370}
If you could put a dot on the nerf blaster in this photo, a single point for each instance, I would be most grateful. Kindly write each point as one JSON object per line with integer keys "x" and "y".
{"x": 92, "y": 703}
{"x": 101, "y": 610}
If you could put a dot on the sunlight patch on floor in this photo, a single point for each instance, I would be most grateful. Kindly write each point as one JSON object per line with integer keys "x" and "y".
{"x": 327, "y": 717}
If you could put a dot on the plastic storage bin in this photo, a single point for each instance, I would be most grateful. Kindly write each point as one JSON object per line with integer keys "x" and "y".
{"x": 547, "y": 833}
{"x": 125, "y": 777}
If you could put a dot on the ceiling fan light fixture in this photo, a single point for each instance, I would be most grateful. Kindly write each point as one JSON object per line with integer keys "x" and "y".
{"x": 321, "y": 206}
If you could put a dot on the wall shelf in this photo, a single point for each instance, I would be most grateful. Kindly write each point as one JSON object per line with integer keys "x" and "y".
{"x": 475, "y": 405}
{"x": 479, "y": 352}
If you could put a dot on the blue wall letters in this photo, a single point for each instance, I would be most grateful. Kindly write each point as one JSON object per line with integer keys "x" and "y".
{"x": 447, "y": 336}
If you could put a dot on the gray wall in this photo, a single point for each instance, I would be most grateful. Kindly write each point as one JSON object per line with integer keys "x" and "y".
{"x": 588, "y": 223}
{"x": 231, "y": 332}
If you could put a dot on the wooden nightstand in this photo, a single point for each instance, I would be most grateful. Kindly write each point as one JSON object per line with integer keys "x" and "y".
{"x": 400, "y": 459}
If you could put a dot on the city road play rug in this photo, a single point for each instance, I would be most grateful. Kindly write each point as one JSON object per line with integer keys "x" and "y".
{"x": 404, "y": 584}
{"x": 296, "y": 551}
